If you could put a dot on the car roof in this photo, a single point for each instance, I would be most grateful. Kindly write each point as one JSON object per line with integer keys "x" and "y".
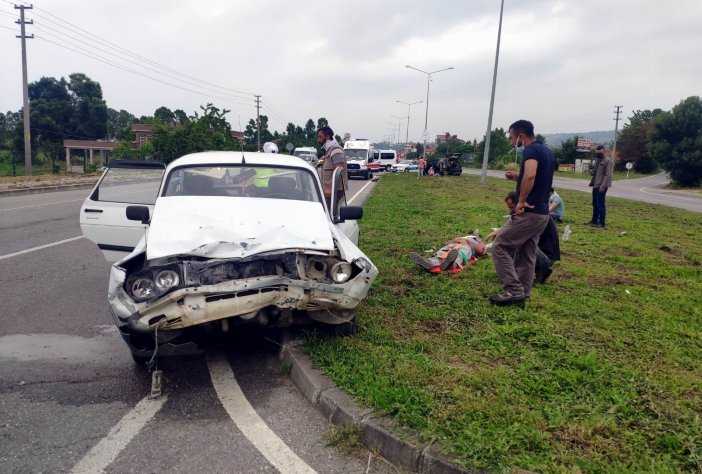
{"x": 237, "y": 157}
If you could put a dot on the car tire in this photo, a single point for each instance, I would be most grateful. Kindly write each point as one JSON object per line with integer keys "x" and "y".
{"x": 368, "y": 176}
{"x": 388, "y": 167}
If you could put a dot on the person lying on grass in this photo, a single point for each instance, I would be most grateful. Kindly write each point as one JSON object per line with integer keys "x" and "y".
{"x": 453, "y": 257}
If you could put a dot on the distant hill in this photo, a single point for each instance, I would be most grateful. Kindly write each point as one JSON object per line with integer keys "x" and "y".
{"x": 606, "y": 138}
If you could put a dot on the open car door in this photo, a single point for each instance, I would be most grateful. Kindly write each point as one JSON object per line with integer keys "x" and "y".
{"x": 348, "y": 227}
{"x": 103, "y": 216}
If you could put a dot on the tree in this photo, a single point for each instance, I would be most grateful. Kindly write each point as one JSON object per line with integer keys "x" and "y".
{"x": 322, "y": 122}
{"x": 119, "y": 125}
{"x": 632, "y": 141}
{"x": 310, "y": 130}
{"x": 499, "y": 145}
{"x": 568, "y": 151}
{"x": 89, "y": 117}
{"x": 208, "y": 131}
{"x": 165, "y": 115}
{"x": 181, "y": 118}
{"x": 676, "y": 142}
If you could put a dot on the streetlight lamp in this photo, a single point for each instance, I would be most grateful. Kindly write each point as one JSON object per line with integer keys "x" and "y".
{"x": 426, "y": 115}
{"x": 409, "y": 106}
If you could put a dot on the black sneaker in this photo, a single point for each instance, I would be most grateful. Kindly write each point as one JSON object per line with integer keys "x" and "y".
{"x": 448, "y": 261}
{"x": 543, "y": 275}
{"x": 506, "y": 298}
{"x": 601, "y": 226}
{"x": 589, "y": 223}
{"x": 421, "y": 261}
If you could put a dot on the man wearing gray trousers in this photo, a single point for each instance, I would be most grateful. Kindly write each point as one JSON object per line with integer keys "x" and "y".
{"x": 514, "y": 250}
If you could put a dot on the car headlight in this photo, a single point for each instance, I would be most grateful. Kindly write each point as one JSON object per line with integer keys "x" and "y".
{"x": 166, "y": 279}
{"x": 340, "y": 272}
{"x": 141, "y": 287}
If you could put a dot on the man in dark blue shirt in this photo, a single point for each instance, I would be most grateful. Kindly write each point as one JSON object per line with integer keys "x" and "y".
{"x": 514, "y": 250}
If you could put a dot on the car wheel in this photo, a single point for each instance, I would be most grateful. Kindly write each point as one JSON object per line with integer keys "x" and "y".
{"x": 368, "y": 176}
{"x": 387, "y": 167}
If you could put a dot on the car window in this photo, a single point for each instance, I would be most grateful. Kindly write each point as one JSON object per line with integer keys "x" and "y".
{"x": 387, "y": 156}
{"x": 352, "y": 154}
{"x": 130, "y": 185}
{"x": 243, "y": 181}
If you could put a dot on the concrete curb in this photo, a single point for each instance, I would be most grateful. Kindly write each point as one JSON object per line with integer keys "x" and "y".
{"x": 45, "y": 189}
{"x": 405, "y": 452}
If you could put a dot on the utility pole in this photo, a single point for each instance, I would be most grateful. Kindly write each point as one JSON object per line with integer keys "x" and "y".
{"x": 25, "y": 90}
{"x": 616, "y": 130}
{"x": 486, "y": 155}
{"x": 258, "y": 120}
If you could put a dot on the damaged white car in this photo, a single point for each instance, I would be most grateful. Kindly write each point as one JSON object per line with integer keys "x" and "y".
{"x": 219, "y": 239}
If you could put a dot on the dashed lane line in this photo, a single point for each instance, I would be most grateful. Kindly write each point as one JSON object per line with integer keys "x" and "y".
{"x": 107, "y": 450}
{"x": 41, "y": 247}
{"x": 247, "y": 420}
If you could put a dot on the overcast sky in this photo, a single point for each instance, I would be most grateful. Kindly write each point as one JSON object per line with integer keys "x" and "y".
{"x": 563, "y": 64}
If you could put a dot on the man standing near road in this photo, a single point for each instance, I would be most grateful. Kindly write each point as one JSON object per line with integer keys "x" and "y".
{"x": 514, "y": 249}
{"x": 334, "y": 157}
{"x": 600, "y": 182}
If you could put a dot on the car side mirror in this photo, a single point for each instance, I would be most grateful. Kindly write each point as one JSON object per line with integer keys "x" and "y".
{"x": 350, "y": 213}
{"x": 138, "y": 213}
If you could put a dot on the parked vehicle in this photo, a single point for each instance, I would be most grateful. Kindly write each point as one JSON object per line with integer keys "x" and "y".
{"x": 307, "y": 153}
{"x": 405, "y": 166}
{"x": 357, "y": 155}
{"x": 387, "y": 158}
{"x": 221, "y": 239}
{"x": 454, "y": 164}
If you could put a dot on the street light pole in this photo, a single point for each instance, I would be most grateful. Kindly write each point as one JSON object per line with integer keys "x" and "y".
{"x": 483, "y": 174}
{"x": 399, "y": 129}
{"x": 409, "y": 106}
{"x": 426, "y": 114}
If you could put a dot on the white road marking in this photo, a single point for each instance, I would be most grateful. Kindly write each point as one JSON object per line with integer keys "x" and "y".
{"x": 107, "y": 450}
{"x": 359, "y": 191}
{"x": 34, "y": 249}
{"x": 39, "y": 205}
{"x": 247, "y": 420}
{"x": 668, "y": 195}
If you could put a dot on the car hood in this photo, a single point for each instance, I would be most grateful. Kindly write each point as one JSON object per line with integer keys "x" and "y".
{"x": 228, "y": 227}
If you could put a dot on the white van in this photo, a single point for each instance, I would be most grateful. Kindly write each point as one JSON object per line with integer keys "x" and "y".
{"x": 307, "y": 153}
{"x": 357, "y": 155}
{"x": 386, "y": 158}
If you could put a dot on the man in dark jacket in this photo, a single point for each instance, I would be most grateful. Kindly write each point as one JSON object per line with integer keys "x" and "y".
{"x": 600, "y": 182}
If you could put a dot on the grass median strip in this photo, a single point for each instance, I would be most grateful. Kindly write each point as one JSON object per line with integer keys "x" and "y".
{"x": 601, "y": 371}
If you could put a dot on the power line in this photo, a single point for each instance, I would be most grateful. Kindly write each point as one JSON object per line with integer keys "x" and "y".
{"x": 42, "y": 28}
{"x": 118, "y": 66}
{"x": 90, "y": 36}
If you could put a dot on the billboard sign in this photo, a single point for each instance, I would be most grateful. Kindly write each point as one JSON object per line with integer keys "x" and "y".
{"x": 584, "y": 144}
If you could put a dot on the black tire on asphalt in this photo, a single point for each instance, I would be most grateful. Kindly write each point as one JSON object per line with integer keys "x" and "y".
{"x": 141, "y": 361}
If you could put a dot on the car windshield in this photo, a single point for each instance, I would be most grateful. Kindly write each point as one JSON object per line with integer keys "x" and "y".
{"x": 352, "y": 154}
{"x": 243, "y": 181}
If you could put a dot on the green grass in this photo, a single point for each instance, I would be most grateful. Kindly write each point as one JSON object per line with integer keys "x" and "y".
{"x": 601, "y": 372}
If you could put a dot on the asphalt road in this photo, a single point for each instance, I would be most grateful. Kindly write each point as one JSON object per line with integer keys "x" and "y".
{"x": 71, "y": 399}
{"x": 650, "y": 189}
